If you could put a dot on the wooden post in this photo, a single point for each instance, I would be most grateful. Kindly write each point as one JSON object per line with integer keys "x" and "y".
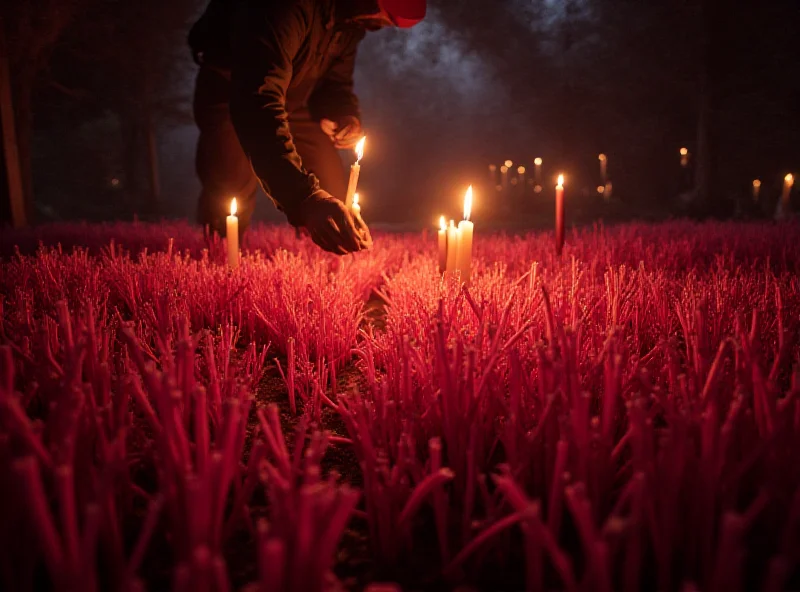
{"x": 10, "y": 151}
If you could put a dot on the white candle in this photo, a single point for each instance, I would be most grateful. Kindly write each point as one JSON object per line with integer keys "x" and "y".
{"x": 537, "y": 170}
{"x": 788, "y": 183}
{"x": 465, "y": 231}
{"x": 356, "y": 208}
{"x": 355, "y": 169}
{"x": 232, "y": 234}
{"x": 452, "y": 247}
{"x": 603, "y": 167}
{"x": 442, "y": 244}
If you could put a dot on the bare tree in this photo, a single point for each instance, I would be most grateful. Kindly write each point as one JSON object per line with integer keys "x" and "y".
{"x": 32, "y": 29}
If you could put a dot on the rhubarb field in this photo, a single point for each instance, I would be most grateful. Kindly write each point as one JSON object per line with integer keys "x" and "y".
{"x": 624, "y": 417}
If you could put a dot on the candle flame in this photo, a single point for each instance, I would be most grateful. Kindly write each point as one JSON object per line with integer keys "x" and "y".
{"x": 493, "y": 167}
{"x": 684, "y": 151}
{"x": 233, "y": 207}
{"x": 561, "y": 180}
{"x": 504, "y": 169}
{"x": 521, "y": 170}
{"x": 468, "y": 203}
{"x": 360, "y": 148}
{"x": 442, "y": 223}
{"x": 757, "y": 183}
{"x": 789, "y": 178}
{"x": 355, "y": 199}
{"x": 537, "y": 161}
{"x": 508, "y": 163}
{"x": 602, "y": 157}
{"x": 601, "y": 189}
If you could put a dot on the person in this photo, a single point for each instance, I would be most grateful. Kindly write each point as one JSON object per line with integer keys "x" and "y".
{"x": 274, "y": 102}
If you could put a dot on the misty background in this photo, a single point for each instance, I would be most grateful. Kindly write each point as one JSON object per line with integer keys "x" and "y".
{"x": 102, "y": 92}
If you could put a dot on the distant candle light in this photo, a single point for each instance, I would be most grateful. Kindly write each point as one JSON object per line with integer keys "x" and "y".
{"x": 508, "y": 164}
{"x": 788, "y": 182}
{"x": 756, "y": 189}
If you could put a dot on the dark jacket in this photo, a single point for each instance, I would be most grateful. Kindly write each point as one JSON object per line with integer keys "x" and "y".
{"x": 283, "y": 55}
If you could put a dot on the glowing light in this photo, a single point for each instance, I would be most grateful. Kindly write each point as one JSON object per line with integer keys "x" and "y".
{"x": 442, "y": 223}
{"x": 602, "y": 157}
{"x": 504, "y": 169}
{"x": 355, "y": 200}
{"x": 684, "y": 151}
{"x": 537, "y": 189}
{"x": 468, "y": 203}
{"x": 233, "y": 207}
{"x": 537, "y": 161}
{"x": 521, "y": 170}
{"x": 601, "y": 189}
{"x": 789, "y": 179}
{"x": 508, "y": 164}
{"x": 757, "y": 183}
{"x": 493, "y": 167}
{"x": 561, "y": 181}
{"x": 360, "y": 148}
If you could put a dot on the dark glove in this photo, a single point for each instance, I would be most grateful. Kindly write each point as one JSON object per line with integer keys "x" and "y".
{"x": 331, "y": 225}
{"x": 345, "y": 132}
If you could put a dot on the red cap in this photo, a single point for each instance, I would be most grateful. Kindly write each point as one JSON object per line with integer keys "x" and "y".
{"x": 405, "y": 13}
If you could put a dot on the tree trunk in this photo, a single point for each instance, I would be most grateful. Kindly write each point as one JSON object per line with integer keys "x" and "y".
{"x": 23, "y": 108}
{"x": 133, "y": 157}
{"x": 153, "y": 173}
{"x": 11, "y": 169}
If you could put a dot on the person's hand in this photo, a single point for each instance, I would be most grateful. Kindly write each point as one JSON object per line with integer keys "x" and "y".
{"x": 332, "y": 226}
{"x": 345, "y": 132}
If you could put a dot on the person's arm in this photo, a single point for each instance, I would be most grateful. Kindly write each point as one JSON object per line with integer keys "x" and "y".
{"x": 265, "y": 39}
{"x": 333, "y": 98}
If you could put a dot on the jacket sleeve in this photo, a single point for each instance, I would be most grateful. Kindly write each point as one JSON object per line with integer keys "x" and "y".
{"x": 333, "y": 96}
{"x": 266, "y": 37}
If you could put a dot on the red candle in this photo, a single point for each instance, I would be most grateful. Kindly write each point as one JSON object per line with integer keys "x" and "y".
{"x": 560, "y": 215}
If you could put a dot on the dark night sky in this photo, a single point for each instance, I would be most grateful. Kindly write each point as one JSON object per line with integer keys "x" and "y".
{"x": 481, "y": 81}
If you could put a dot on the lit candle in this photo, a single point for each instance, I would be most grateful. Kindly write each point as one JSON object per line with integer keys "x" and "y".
{"x": 452, "y": 247}
{"x": 232, "y": 234}
{"x": 756, "y": 189}
{"x": 537, "y": 170}
{"x": 560, "y": 215}
{"x": 521, "y": 175}
{"x": 603, "y": 167}
{"x": 355, "y": 169}
{"x": 504, "y": 177}
{"x": 493, "y": 174}
{"x": 442, "y": 245}
{"x": 356, "y": 209}
{"x": 465, "y": 228}
{"x": 788, "y": 182}
{"x": 684, "y": 157}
